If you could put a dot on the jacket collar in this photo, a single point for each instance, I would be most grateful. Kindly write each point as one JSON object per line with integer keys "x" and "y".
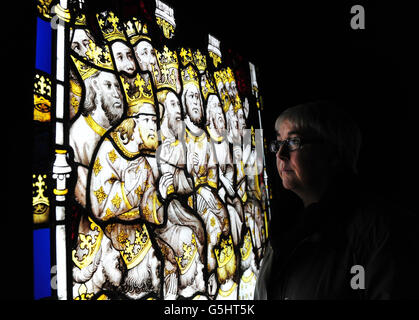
{"x": 328, "y": 217}
{"x": 335, "y": 207}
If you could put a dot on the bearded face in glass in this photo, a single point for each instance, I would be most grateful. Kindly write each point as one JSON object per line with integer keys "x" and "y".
{"x": 146, "y": 58}
{"x": 241, "y": 121}
{"x": 123, "y": 57}
{"x": 80, "y": 42}
{"x": 146, "y": 127}
{"x": 232, "y": 90}
{"x": 193, "y": 104}
{"x": 233, "y": 124}
{"x": 104, "y": 91}
{"x": 174, "y": 118}
{"x": 215, "y": 115}
{"x": 225, "y": 99}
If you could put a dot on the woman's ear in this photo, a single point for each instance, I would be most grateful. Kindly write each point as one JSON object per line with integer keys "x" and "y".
{"x": 333, "y": 157}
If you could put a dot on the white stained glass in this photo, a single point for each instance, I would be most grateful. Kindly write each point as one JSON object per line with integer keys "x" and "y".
{"x": 61, "y": 262}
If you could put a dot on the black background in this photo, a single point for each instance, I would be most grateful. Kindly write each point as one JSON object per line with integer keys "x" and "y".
{"x": 307, "y": 50}
{"x": 304, "y": 50}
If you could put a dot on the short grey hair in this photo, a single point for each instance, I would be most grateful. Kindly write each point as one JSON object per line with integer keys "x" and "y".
{"x": 325, "y": 120}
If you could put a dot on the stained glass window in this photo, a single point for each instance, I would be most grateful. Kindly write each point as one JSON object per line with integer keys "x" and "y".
{"x": 151, "y": 180}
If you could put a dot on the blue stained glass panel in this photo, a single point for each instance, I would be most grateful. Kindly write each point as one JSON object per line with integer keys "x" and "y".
{"x": 43, "y": 46}
{"x": 42, "y": 263}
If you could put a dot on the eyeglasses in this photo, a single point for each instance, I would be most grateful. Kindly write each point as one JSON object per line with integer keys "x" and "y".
{"x": 291, "y": 143}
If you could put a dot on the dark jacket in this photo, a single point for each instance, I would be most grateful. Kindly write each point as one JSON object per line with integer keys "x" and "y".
{"x": 346, "y": 228}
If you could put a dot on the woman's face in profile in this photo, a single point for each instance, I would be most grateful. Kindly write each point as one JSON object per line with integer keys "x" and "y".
{"x": 303, "y": 169}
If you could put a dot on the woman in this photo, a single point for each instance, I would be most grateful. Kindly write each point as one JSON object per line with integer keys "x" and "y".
{"x": 344, "y": 245}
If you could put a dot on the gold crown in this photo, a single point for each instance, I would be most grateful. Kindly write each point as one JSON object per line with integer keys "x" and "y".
{"x": 84, "y": 70}
{"x": 209, "y": 86}
{"x": 220, "y": 77}
{"x": 200, "y": 61}
{"x": 247, "y": 246}
{"x": 224, "y": 255}
{"x": 168, "y": 64}
{"x": 229, "y": 75}
{"x": 136, "y": 31}
{"x": 40, "y": 203}
{"x": 99, "y": 56}
{"x": 237, "y": 103}
{"x": 109, "y": 24}
{"x": 216, "y": 59}
{"x": 185, "y": 56}
{"x": 131, "y": 28}
{"x": 134, "y": 252}
{"x": 137, "y": 92}
{"x": 90, "y": 243}
{"x": 189, "y": 75}
{"x": 144, "y": 32}
{"x": 189, "y": 252}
